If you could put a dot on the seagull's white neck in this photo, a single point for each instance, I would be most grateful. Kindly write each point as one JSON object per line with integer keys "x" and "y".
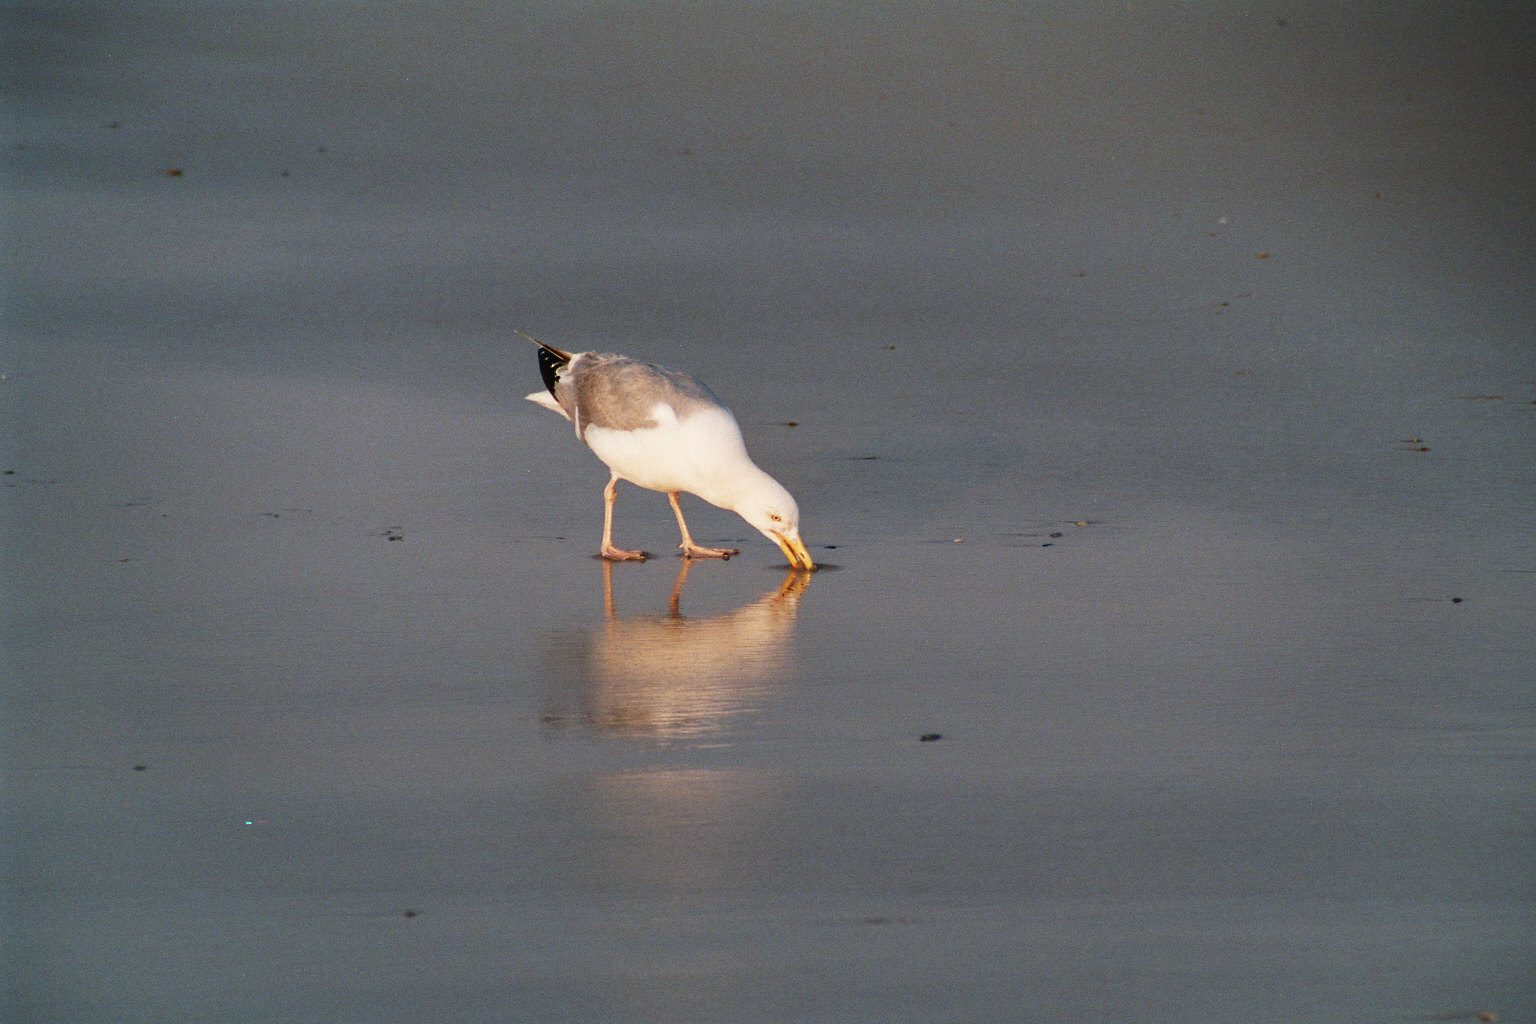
{"x": 736, "y": 489}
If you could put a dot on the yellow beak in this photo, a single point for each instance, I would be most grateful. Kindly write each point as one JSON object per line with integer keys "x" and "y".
{"x": 794, "y": 550}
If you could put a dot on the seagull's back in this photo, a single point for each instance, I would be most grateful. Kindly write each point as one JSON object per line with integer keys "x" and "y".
{"x": 619, "y": 393}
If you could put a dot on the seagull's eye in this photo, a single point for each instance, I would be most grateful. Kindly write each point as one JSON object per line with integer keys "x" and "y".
{"x": 775, "y": 517}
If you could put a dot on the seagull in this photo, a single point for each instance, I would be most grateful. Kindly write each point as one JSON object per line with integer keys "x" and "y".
{"x": 665, "y": 431}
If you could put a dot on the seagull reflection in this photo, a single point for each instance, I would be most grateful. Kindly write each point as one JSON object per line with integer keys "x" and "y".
{"x": 675, "y": 677}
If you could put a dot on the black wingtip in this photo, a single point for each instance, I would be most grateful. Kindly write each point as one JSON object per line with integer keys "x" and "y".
{"x": 551, "y": 361}
{"x": 536, "y": 341}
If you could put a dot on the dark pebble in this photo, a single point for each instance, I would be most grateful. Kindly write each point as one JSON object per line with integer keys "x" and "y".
{"x": 929, "y": 737}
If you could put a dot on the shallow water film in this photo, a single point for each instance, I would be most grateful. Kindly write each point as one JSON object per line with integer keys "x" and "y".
{"x": 1157, "y": 387}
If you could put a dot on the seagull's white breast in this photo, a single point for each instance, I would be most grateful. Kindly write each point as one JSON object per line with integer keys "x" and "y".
{"x": 702, "y": 454}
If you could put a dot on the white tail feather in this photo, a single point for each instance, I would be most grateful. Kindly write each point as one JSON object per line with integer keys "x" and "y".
{"x": 547, "y": 400}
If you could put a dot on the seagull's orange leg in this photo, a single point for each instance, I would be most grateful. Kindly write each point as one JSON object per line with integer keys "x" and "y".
{"x": 610, "y": 552}
{"x": 689, "y": 548}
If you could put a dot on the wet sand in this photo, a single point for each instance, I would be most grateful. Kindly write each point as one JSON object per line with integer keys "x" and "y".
{"x": 1158, "y": 390}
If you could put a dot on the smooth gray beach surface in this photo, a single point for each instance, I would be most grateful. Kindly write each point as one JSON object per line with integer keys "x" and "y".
{"x": 1157, "y": 386}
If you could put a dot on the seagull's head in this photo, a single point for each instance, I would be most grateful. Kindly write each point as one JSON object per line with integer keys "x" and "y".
{"x": 772, "y": 510}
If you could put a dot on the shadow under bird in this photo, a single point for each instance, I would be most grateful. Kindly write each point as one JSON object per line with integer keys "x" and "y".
{"x": 665, "y": 431}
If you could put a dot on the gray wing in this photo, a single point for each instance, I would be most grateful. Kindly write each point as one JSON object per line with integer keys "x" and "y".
{"x": 618, "y": 393}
